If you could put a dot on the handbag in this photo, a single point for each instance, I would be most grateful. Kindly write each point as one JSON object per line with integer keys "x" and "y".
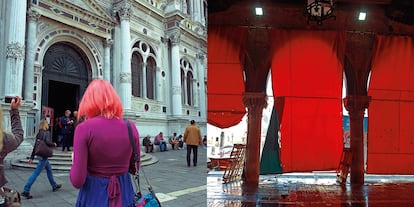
{"x": 10, "y": 197}
{"x": 42, "y": 149}
{"x": 149, "y": 199}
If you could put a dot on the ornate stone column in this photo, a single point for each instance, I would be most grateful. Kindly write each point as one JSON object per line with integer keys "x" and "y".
{"x": 202, "y": 88}
{"x": 15, "y": 48}
{"x": 255, "y": 102}
{"x": 125, "y": 74}
{"x": 158, "y": 83}
{"x": 356, "y": 106}
{"x": 33, "y": 17}
{"x": 176, "y": 74}
{"x": 198, "y": 16}
{"x": 107, "y": 43}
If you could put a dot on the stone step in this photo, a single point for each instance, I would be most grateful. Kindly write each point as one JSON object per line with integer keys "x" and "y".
{"x": 63, "y": 161}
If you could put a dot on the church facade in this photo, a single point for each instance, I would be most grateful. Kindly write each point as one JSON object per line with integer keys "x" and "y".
{"x": 154, "y": 52}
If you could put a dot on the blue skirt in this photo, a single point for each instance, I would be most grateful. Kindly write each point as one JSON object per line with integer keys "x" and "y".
{"x": 95, "y": 192}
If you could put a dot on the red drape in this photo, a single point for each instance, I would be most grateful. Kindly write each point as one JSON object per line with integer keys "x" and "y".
{"x": 306, "y": 71}
{"x": 225, "y": 80}
{"x": 391, "y": 111}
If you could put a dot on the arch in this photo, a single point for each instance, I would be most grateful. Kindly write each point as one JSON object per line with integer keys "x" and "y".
{"x": 147, "y": 53}
{"x": 136, "y": 70}
{"x": 86, "y": 46}
{"x": 151, "y": 69}
{"x": 187, "y": 79}
{"x": 190, "y": 80}
{"x": 65, "y": 77}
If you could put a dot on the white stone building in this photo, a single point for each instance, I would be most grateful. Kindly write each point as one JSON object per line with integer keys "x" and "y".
{"x": 154, "y": 52}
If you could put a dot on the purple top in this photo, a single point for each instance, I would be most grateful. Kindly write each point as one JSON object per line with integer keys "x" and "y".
{"x": 102, "y": 149}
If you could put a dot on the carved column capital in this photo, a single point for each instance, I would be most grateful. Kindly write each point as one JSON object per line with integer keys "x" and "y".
{"x": 124, "y": 12}
{"x": 33, "y": 15}
{"x": 200, "y": 56}
{"x": 255, "y": 102}
{"x": 356, "y": 105}
{"x": 125, "y": 77}
{"x": 175, "y": 38}
{"x": 15, "y": 50}
{"x": 107, "y": 42}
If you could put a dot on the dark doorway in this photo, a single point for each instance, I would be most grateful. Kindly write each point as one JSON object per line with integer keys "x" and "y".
{"x": 65, "y": 77}
{"x": 63, "y": 96}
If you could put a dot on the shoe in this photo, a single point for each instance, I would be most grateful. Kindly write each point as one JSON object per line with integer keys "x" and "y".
{"x": 27, "y": 195}
{"x": 57, "y": 187}
{"x": 195, "y": 165}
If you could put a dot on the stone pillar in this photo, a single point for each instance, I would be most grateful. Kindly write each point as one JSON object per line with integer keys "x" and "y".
{"x": 356, "y": 106}
{"x": 125, "y": 74}
{"x": 176, "y": 75}
{"x": 107, "y": 59}
{"x": 255, "y": 102}
{"x": 144, "y": 80}
{"x": 15, "y": 47}
{"x": 33, "y": 16}
{"x": 202, "y": 87}
{"x": 197, "y": 11}
{"x": 158, "y": 83}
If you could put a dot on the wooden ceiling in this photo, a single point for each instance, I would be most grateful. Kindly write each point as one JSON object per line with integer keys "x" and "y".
{"x": 383, "y": 16}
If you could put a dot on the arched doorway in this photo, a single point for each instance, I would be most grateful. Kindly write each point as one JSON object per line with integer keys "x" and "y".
{"x": 66, "y": 74}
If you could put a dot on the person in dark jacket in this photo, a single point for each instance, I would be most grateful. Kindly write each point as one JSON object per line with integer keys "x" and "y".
{"x": 43, "y": 162}
{"x": 66, "y": 131}
{"x": 9, "y": 142}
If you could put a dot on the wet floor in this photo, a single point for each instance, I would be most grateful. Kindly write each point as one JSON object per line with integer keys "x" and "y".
{"x": 312, "y": 190}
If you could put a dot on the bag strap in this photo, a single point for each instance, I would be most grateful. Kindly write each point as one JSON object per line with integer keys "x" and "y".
{"x": 135, "y": 154}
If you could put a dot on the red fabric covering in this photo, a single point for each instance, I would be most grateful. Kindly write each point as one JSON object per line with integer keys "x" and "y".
{"x": 225, "y": 80}
{"x": 391, "y": 111}
{"x": 308, "y": 74}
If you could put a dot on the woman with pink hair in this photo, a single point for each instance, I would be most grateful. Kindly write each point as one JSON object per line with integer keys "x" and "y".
{"x": 102, "y": 149}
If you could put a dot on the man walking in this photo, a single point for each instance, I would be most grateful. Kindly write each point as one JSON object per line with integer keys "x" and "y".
{"x": 192, "y": 137}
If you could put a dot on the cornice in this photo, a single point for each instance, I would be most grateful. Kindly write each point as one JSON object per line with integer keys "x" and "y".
{"x": 97, "y": 22}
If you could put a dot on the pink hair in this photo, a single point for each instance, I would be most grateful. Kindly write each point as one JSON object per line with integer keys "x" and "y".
{"x": 100, "y": 99}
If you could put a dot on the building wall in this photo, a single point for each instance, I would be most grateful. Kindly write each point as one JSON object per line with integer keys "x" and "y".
{"x": 89, "y": 24}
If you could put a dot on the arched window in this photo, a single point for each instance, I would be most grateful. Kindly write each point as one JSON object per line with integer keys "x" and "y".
{"x": 188, "y": 7}
{"x": 187, "y": 80}
{"x": 143, "y": 67}
{"x": 150, "y": 72}
{"x": 190, "y": 88}
{"x": 182, "y": 87}
{"x": 136, "y": 69}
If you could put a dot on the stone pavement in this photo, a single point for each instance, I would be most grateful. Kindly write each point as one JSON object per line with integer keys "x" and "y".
{"x": 311, "y": 190}
{"x": 174, "y": 182}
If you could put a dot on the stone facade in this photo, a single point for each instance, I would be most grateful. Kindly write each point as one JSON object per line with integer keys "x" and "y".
{"x": 152, "y": 51}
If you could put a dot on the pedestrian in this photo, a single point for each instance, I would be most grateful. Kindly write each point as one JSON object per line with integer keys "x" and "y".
{"x": 66, "y": 130}
{"x": 43, "y": 162}
{"x": 9, "y": 142}
{"x": 174, "y": 141}
{"x": 192, "y": 138}
{"x": 102, "y": 150}
{"x": 159, "y": 140}
{"x": 149, "y": 147}
{"x": 180, "y": 142}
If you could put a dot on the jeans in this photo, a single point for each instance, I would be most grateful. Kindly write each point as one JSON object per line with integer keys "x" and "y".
{"x": 163, "y": 146}
{"x": 43, "y": 163}
{"x": 194, "y": 148}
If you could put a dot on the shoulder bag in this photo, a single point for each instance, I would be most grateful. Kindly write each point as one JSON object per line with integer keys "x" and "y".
{"x": 149, "y": 199}
{"x": 41, "y": 147}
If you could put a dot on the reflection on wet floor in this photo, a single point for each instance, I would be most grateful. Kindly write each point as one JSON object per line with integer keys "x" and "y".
{"x": 312, "y": 190}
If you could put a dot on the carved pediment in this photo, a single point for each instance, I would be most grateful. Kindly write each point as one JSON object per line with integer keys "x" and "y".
{"x": 86, "y": 15}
